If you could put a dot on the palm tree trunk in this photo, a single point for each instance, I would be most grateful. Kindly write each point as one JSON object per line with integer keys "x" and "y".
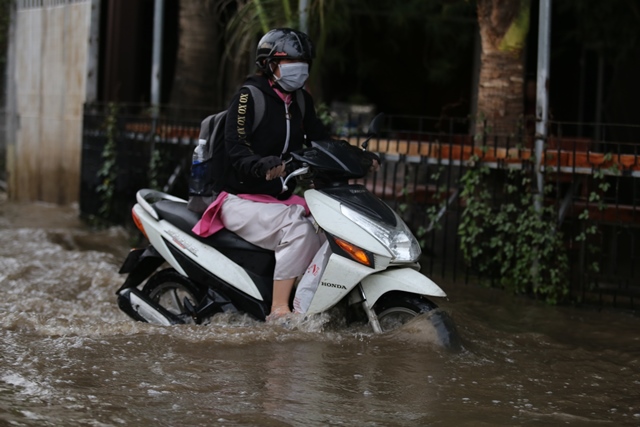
{"x": 504, "y": 25}
{"x": 198, "y": 56}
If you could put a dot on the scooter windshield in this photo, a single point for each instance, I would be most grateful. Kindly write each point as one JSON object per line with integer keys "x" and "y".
{"x": 334, "y": 160}
{"x": 360, "y": 199}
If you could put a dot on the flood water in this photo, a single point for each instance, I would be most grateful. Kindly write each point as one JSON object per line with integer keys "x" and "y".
{"x": 69, "y": 357}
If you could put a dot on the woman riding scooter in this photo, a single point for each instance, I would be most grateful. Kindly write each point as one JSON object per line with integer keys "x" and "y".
{"x": 251, "y": 202}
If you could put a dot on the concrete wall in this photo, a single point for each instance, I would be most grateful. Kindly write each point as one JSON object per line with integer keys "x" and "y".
{"x": 47, "y": 74}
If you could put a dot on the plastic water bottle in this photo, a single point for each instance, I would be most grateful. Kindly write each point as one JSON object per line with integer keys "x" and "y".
{"x": 198, "y": 170}
{"x": 198, "y": 152}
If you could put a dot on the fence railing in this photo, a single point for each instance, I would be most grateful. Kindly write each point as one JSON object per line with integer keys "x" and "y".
{"x": 590, "y": 183}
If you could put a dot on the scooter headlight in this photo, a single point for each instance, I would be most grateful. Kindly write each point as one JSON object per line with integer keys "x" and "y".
{"x": 398, "y": 240}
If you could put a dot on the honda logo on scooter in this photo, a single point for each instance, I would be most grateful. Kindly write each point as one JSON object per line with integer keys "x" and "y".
{"x": 333, "y": 285}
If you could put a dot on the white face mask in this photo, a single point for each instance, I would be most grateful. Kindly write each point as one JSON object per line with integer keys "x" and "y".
{"x": 292, "y": 75}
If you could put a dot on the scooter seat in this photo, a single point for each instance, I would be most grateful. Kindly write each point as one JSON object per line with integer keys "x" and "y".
{"x": 177, "y": 214}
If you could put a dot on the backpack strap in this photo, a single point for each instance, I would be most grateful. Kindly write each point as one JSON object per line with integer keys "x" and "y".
{"x": 217, "y": 124}
{"x": 300, "y": 101}
{"x": 258, "y": 103}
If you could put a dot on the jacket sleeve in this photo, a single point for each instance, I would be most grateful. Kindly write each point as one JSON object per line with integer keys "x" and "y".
{"x": 238, "y": 130}
{"x": 313, "y": 127}
{"x": 238, "y": 139}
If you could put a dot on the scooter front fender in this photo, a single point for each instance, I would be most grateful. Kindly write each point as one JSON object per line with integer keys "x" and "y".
{"x": 400, "y": 279}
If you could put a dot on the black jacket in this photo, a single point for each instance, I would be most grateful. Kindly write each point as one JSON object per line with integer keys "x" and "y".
{"x": 243, "y": 148}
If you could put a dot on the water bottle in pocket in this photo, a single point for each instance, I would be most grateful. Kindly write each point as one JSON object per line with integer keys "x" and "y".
{"x": 200, "y": 179}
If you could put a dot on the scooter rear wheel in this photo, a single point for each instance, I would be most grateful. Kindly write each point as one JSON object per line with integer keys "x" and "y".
{"x": 169, "y": 289}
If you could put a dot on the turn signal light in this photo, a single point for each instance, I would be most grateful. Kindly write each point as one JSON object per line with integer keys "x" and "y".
{"x": 138, "y": 223}
{"x": 354, "y": 252}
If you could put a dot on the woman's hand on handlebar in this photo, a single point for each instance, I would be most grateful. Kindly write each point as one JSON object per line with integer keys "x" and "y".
{"x": 276, "y": 172}
{"x": 375, "y": 160}
{"x": 375, "y": 165}
{"x": 271, "y": 167}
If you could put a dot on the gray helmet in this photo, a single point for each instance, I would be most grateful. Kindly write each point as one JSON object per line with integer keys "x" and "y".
{"x": 283, "y": 43}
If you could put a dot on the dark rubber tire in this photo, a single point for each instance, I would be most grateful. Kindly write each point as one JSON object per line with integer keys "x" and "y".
{"x": 168, "y": 288}
{"x": 394, "y": 309}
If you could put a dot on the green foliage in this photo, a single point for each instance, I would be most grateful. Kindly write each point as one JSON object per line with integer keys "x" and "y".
{"x": 433, "y": 212}
{"x": 252, "y": 19}
{"x": 589, "y": 234}
{"x": 336, "y": 26}
{"x": 610, "y": 26}
{"x": 108, "y": 173}
{"x": 324, "y": 114}
{"x": 442, "y": 29}
{"x": 155, "y": 165}
{"x": 507, "y": 240}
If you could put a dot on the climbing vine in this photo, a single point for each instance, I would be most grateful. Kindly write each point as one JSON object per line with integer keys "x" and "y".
{"x": 590, "y": 230}
{"x": 507, "y": 239}
{"x": 433, "y": 212}
{"x": 155, "y": 166}
{"x": 108, "y": 173}
{"x": 323, "y": 111}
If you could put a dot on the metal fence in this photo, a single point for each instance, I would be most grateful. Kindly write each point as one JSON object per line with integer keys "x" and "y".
{"x": 592, "y": 184}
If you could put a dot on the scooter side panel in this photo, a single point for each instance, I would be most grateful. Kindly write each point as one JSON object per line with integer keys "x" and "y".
{"x": 401, "y": 279}
{"x": 139, "y": 265}
{"x": 210, "y": 259}
{"x": 339, "y": 277}
{"x": 154, "y": 233}
{"x": 326, "y": 212}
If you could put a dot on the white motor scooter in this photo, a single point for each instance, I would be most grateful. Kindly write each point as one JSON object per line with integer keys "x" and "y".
{"x": 369, "y": 264}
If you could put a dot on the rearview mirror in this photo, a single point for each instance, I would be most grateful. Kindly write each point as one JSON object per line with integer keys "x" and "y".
{"x": 374, "y": 128}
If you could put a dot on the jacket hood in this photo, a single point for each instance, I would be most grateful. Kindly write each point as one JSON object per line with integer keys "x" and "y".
{"x": 262, "y": 83}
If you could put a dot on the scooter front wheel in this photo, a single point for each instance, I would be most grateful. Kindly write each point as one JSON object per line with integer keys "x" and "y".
{"x": 173, "y": 292}
{"x": 394, "y": 309}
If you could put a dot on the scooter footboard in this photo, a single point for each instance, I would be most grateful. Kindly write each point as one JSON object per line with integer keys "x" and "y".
{"x": 401, "y": 279}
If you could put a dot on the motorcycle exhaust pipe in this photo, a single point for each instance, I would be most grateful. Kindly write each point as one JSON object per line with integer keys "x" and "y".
{"x": 139, "y": 307}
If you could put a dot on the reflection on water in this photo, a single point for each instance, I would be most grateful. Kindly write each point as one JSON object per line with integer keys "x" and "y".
{"x": 69, "y": 357}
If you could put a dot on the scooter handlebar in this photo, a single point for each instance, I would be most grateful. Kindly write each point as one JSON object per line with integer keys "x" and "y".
{"x": 300, "y": 171}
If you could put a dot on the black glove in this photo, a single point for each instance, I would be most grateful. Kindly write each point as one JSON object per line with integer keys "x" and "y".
{"x": 372, "y": 156}
{"x": 368, "y": 159}
{"x": 263, "y": 165}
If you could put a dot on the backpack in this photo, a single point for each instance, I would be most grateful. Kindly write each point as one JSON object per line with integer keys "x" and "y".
{"x": 203, "y": 177}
